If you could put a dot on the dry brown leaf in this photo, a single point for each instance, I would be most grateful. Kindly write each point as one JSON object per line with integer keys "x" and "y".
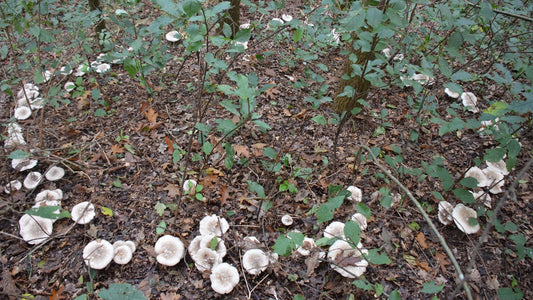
{"x": 213, "y": 171}
{"x": 170, "y": 296}
{"x": 272, "y": 93}
{"x": 423, "y": 265}
{"x": 170, "y": 145}
{"x": 442, "y": 259}
{"x": 421, "y": 239}
{"x": 224, "y": 192}
{"x": 8, "y": 285}
{"x": 287, "y": 113}
{"x": 57, "y": 294}
{"x": 242, "y": 150}
{"x": 173, "y": 190}
{"x": 151, "y": 115}
{"x": 116, "y": 149}
{"x": 258, "y": 148}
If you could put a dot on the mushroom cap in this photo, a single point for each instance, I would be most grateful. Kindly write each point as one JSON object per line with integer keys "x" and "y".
{"x": 224, "y": 277}
{"x": 49, "y": 195}
{"x": 69, "y": 86}
{"x": 255, "y": 261}
{"x": 451, "y": 93}
{"x": 98, "y": 254}
{"x": 356, "y": 193}
{"x": 54, "y": 173}
{"x": 494, "y": 175}
{"x": 334, "y": 230}
{"x": 213, "y": 224}
{"x": 122, "y": 254}
{"x": 37, "y": 103}
{"x": 445, "y": 212}
{"x": 461, "y": 215}
{"x": 188, "y": 186}
{"x": 22, "y": 113}
{"x": 250, "y": 242}
{"x": 307, "y": 245}
{"x": 173, "y": 36}
{"x": 30, "y": 89}
{"x": 479, "y": 175}
{"x": 346, "y": 260}
{"x": 205, "y": 259}
{"x": 286, "y": 220}
{"x": 169, "y": 250}
{"x": 499, "y": 165}
{"x": 485, "y": 197}
{"x": 13, "y": 185}
{"x": 23, "y": 164}
{"x": 35, "y": 229}
{"x": 204, "y": 241}
{"x": 470, "y": 101}
{"x": 83, "y": 212}
{"x": 32, "y": 180}
{"x": 130, "y": 244}
{"x": 360, "y": 219}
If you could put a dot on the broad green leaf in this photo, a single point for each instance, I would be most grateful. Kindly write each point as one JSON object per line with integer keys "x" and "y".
{"x": 364, "y": 210}
{"x": 282, "y": 246}
{"x": 431, "y": 288}
{"x": 99, "y": 112}
{"x": 160, "y": 208}
{"x": 270, "y": 153}
{"x": 130, "y": 66}
{"x": 256, "y": 188}
{"x": 469, "y": 182}
{"x": 297, "y": 35}
{"x": 230, "y": 154}
{"x": 226, "y": 126}
{"x": 191, "y": 7}
{"x": 49, "y": 212}
{"x": 319, "y": 120}
{"x": 352, "y": 231}
{"x": 464, "y": 195}
{"x": 496, "y": 108}
{"x": 18, "y": 154}
{"x": 160, "y": 229}
{"x": 510, "y": 294}
{"x": 494, "y": 154}
{"x": 207, "y": 147}
{"x": 395, "y": 295}
{"x": 121, "y": 291}
{"x": 461, "y": 76}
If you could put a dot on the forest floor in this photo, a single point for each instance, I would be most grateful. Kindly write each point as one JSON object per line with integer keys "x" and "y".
{"x": 101, "y": 169}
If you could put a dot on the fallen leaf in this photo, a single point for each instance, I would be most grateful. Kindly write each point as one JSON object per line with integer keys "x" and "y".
{"x": 57, "y": 294}
{"x": 173, "y": 190}
{"x": 8, "y": 285}
{"x": 170, "y": 145}
{"x": 423, "y": 265}
{"x": 224, "y": 191}
{"x": 213, "y": 171}
{"x": 421, "y": 239}
{"x": 442, "y": 261}
{"x": 116, "y": 149}
{"x": 242, "y": 150}
{"x": 170, "y": 296}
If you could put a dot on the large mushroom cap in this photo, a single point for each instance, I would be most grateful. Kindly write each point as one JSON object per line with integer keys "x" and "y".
{"x": 23, "y": 164}
{"x": 347, "y": 261}
{"x": 130, "y": 244}
{"x": 461, "y": 216}
{"x": 83, "y": 212}
{"x": 54, "y": 173}
{"x": 122, "y": 254}
{"x": 49, "y": 195}
{"x": 360, "y": 219}
{"x": 224, "y": 277}
{"x": 32, "y": 180}
{"x": 255, "y": 261}
{"x": 98, "y": 254}
{"x": 206, "y": 241}
{"x": 445, "y": 212}
{"x": 479, "y": 175}
{"x": 213, "y": 224}
{"x": 205, "y": 259}
{"x": 169, "y": 250}
{"x": 35, "y": 229}
{"x": 355, "y": 193}
{"x": 334, "y": 230}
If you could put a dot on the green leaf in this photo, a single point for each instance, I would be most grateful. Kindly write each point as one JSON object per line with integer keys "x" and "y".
{"x": 298, "y": 297}
{"x": 82, "y": 297}
{"x": 130, "y": 66}
{"x": 374, "y": 257}
{"x": 496, "y": 108}
{"x": 464, "y": 195}
{"x": 121, "y": 291}
{"x": 160, "y": 208}
{"x": 364, "y": 210}
{"x": 453, "y": 125}
{"x": 99, "y": 113}
{"x": 270, "y": 152}
{"x": 207, "y": 147}
{"x": 95, "y": 93}
{"x": 282, "y": 246}
{"x": 226, "y": 126}
{"x": 469, "y": 182}
{"x": 191, "y": 7}
{"x": 255, "y": 187}
{"x": 510, "y": 294}
{"x": 431, "y": 288}
{"x": 461, "y": 76}
{"x": 319, "y": 120}
{"x": 325, "y": 212}
{"x": 363, "y": 284}
{"x": 106, "y": 211}
{"x": 18, "y": 154}
{"x": 297, "y": 35}
{"x": 494, "y": 154}
{"x": 352, "y": 231}
{"x": 230, "y": 154}
{"x": 161, "y": 228}
{"x": 48, "y": 212}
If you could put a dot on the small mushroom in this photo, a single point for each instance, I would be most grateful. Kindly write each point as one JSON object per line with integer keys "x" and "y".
{"x": 22, "y": 113}
{"x": 23, "y": 164}
{"x": 32, "y": 180}
{"x": 98, "y": 254}
{"x": 307, "y": 245}
{"x": 122, "y": 254}
{"x": 205, "y": 241}
{"x": 130, "y": 244}
{"x": 334, "y": 230}
{"x": 451, "y": 93}
{"x": 484, "y": 197}
{"x": 83, "y": 212}
{"x": 69, "y": 86}
{"x": 224, "y": 277}
{"x": 205, "y": 259}
{"x": 445, "y": 212}
{"x": 347, "y": 261}
{"x": 173, "y": 36}
{"x": 169, "y": 250}
{"x": 479, "y": 175}
{"x": 286, "y": 220}
{"x": 250, "y": 242}
{"x": 461, "y": 216}
{"x": 54, "y": 173}
{"x": 189, "y": 186}
{"x": 470, "y": 101}
{"x": 355, "y": 193}
{"x": 255, "y": 261}
{"x": 35, "y": 229}
{"x": 213, "y": 224}
{"x": 49, "y": 195}
{"x": 13, "y": 185}
{"x": 360, "y": 219}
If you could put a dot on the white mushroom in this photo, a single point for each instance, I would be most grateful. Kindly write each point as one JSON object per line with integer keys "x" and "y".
{"x": 495, "y": 180}
{"x": 130, "y": 244}
{"x": 37, "y": 103}
{"x": 23, "y": 164}
{"x": 347, "y": 261}
{"x": 122, "y": 254}
{"x": 479, "y": 175}
{"x": 462, "y": 215}
{"x": 49, "y": 195}
{"x": 83, "y": 212}
{"x": 286, "y": 220}
{"x": 286, "y": 18}
{"x": 54, "y": 173}
{"x": 334, "y": 230}
{"x": 173, "y": 36}
{"x": 22, "y": 113}
{"x": 224, "y": 277}
{"x": 500, "y": 166}
{"x": 360, "y": 219}
{"x": 205, "y": 259}
{"x": 250, "y": 242}
{"x": 307, "y": 245}
{"x": 451, "y": 93}
{"x": 470, "y": 101}
{"x": 69, "y": 86}
{"x": 14, "y": 136}
{"x": 30, "y": 90}
{"x": 213, "y": 224}
{"x": 255, "y": 261}
{"x": 205, "y": 241}
{"x": 445, "y": 212}
{"x": 189, "y": 186}
{"x": 355, "y": 193}
{"x": 13, "y": 185}
{"x": 32, "y": 180}
{"x": 484, "y": 197}
{"x": 35, "y": 229}
{"x": 98, "y": 254}
{"x": 169, "y": 250}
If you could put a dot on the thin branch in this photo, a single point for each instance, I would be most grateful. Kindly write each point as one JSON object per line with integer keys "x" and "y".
{"x": 441, "y": 239}
{"x": 505, "y": 13}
